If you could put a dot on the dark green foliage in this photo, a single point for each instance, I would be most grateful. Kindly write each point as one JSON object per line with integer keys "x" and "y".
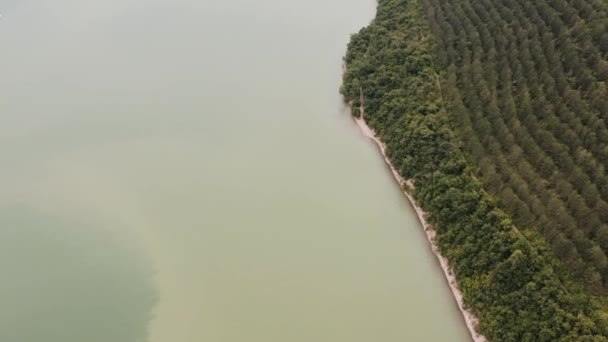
{"x": 427, "y": 115}
{"x": 526, "y": 85}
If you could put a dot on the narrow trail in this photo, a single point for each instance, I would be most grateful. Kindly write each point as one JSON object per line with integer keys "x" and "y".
{"x": 470, "y": 319}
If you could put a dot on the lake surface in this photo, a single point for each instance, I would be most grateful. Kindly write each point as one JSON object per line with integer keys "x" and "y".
{"x": 184, "y": 170}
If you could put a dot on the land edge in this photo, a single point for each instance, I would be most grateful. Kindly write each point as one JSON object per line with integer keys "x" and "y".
{"x": 470, "y": 319}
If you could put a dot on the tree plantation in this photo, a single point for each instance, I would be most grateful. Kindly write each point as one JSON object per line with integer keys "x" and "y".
{"x": 498, "y": 110}
{"x": 526, "y": 80}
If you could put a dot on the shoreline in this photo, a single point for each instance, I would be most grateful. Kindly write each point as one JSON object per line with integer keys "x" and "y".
{"x": 470, "y": 319}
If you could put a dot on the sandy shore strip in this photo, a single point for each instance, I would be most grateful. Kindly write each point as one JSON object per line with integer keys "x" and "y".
{"x": 470, "y": 319}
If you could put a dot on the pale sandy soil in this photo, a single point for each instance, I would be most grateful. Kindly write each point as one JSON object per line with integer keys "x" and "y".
{"x": 470, "y": 319}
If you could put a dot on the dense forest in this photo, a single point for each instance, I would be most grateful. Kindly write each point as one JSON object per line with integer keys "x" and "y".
{"x": 497, "y": 109}
{"x": 527, "y": 84}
